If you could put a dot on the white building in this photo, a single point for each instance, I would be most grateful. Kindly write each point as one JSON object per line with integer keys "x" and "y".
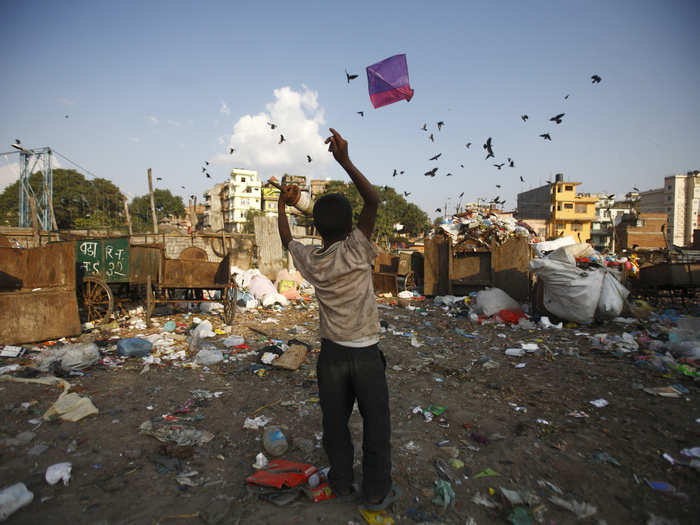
{"x": 608, "y": 213}
{"x": 678, "y": 199}
{"x": 242, "y": 194}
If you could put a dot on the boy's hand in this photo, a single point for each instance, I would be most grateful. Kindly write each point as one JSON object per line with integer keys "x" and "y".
{"x": 338, "y": 146}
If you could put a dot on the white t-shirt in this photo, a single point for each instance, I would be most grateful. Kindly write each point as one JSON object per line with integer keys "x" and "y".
{"x": 342, "y": 277}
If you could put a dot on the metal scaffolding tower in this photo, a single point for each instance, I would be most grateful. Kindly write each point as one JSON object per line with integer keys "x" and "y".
{"x": 29, "y": 161}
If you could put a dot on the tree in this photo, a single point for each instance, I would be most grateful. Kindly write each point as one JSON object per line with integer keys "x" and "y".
{"x": 77, "y": 202}
{"x": 249, "y": 226}
{"x": 166, "y": 204}
{"x": 393, "y": 209}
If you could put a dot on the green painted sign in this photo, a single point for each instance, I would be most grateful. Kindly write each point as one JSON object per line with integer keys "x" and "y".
{"x": 107, "y": 258}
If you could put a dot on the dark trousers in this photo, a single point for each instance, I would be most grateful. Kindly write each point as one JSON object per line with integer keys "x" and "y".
{"x": 344, "y": 375}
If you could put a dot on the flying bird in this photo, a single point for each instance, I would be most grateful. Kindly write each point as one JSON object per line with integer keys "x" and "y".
{"x": 17, "y": 141}
{"x": 208, "y": 176}
{"x": 230, "y": 151}
{"x": 635, "y": 189}
{"x": 204, "y": 169}
{"x": 206, "y": 162}
{"x": 499, "y": 166}
{"x": 595, "y": 79}
{"x": 349, "y": 76}
{"x": 557, "y": 118}
{"x": 159, "y": 178}
{"x": 468, "y": 145}
{"x": 521, "y": 179}
{"x": 566, "y": 97}
{"x": 401, "y": 172}
{"x": 65, "y": 116}
{"x": 546, "y": 136}
{"x": 461, "y": 165}
{"x": 406, "y": 193}
{"x": 440, "y": 124}
{"x": 448, "y": 175}
{"x": 461, "y": 195}
{"x": 498, "y": 186}
{"x": 549, "y": 181}
{"x": 394, "y": 174}
{"x": 281, "y": 139}
{"x": 425, "y": 127}
{"x": 436, "y": 157}
{"x": 272, "y": 126}
{"x": 511, "y": 164}
{"x": 308, "y": 158}
{"x": 361, "y": 113}
{"x": 432, "y": 139}
{"x": 431, "y": 173}
{"x": 182, "y": 187}
{"x": 611, "y": 196}
{"x": 438, "y": 210}
{"x": 524, "y": 117}
{"x": 488, "y": 148}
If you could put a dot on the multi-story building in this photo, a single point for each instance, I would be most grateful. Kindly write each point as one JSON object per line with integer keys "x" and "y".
{"x": 213, "y": 216}
{"x": 242, "y": 194}
{"x": 566, "y": 212}
{"x": 270, "y": 197}
{"x": 608, "y": 213}
{"x": 318, "y": 187}
{"x": 678, "y": 199}
{"x": 641, "y": 232}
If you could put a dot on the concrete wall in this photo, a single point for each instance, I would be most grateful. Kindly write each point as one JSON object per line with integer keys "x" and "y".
{"x": 535, "y": 203}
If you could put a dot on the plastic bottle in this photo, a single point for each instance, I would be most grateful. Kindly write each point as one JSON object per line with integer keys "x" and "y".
{"x": 301, "y": 200}
{"x": 274, "y": 441}
{"x": 134, "y": 347}
{"x": 14, "y": 498}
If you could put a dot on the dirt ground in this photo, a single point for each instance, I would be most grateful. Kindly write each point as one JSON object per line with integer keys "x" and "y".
{"x": 514, "y": 421}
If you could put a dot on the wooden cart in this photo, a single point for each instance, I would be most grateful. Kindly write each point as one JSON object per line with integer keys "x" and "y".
{"x": 110, "y": 272}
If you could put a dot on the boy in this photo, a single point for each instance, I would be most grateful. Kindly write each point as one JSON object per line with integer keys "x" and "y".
{"x": 351, "y": 365}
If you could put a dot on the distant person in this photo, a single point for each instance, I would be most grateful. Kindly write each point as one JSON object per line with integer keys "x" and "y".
{"x": 351, "y": 366}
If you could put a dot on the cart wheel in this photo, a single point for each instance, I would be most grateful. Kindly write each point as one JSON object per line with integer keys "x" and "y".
{"x": 229, "y": 300}
{"x": 97, "y": 299}
{"x": 409, "y": 281}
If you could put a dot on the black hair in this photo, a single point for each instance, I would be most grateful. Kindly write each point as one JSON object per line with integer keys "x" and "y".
{"x": 333, "y": 216}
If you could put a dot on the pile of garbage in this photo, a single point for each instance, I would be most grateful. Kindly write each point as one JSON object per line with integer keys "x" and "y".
{"x": 255, "y": 289}
{"x": 586, "y": 256}
{"x": 476, "y": 227}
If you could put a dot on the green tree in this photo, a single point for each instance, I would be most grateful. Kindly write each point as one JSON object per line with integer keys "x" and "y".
{"x": 77, "y": 202}
{"x": 166, "y": 204}
{"x": 393, "y": 209}
{"x": 249, "y": 226}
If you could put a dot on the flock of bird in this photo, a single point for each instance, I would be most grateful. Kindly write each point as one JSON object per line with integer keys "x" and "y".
{"x": 488, "y": 146}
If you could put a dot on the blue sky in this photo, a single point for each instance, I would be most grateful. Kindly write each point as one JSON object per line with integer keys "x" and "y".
{"x": 168, "y": 85}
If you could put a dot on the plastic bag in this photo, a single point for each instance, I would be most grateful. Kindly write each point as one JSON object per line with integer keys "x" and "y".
{"x": 71, "y": 357}
{"x": 209, "y": 356}
{"x": 493, "y": 300}
{"x": 612, "y": 298}
{"x": 569, "y": 292}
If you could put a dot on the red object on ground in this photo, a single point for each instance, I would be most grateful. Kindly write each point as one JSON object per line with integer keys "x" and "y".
{"x": 511, "y": 316}
{"x": 282, "y": 473}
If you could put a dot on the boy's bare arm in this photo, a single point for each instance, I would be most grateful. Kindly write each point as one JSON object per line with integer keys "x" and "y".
{"x": 368, "y": 216}
{"x": 282, "y": 222}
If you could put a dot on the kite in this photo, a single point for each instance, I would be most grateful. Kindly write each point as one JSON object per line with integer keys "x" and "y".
{"x": 388, "y": 81}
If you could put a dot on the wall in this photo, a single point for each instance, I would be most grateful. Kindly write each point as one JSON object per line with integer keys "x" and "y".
{"x": 645, "y": 232}
{"x": 535, "y": 203}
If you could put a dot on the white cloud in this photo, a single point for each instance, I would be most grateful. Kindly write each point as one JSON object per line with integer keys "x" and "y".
{"x": 298, "y": 117}
{"x": 153, "y": 120}
{"x": 224, "y": 109}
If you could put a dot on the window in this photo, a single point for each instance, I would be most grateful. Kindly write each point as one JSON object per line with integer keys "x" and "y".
{"x": 583, "y": 208}
{"x": 558, "y": 188}
{"x": 668, "y": 188}
{"x": 242, "y": 179}
{"x": 668, "y": 198}
{"x": 577, "y": 227}
{"x": 569, "y": 188}
{"x": 668, "y": 209}
{"x": 568, "y": 206}
{"x": 559, "y": 207}
{"x": 244, "y": 202}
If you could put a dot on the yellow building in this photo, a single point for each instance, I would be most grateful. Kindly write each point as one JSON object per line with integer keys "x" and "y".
{"x": 565, "y": 212}
{"x": 572, "y": 214}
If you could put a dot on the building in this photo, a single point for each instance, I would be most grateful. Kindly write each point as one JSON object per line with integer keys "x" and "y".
{"x": 270, "y": 197}
{"x": 682, "y": 194}
{"x": 566, "y": 212}
{"x": 608, "y": 213}
{"x": 641, "y": 232}
{"x": 678, "y": 199}
{"x": 242, "y": 194}
{"x": 318, "y": 187}
{"x": 213, "y": 216}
